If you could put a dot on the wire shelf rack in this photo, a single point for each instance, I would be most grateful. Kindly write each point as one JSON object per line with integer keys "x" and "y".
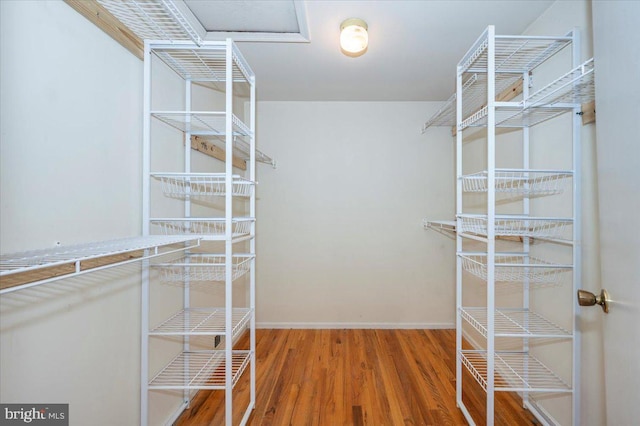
{"x": 512, "y": 53}
{"x": 205, "y": 228}
{"x": 201, "y": 186}
{"x": 200, "y": 370}
{"x": 446, "y": 227}
{"x": 31, "y": 268}
{"x": 206, "y": 63}
{"x": 518, "y": 225}
{"x": 562, "y": 95}
{"x": 515, "y": 372}
{"x": 203, "y": 322}
{"x": 152, "y": 19}
{"x": 516, "y": 322}
{"x": 514, "y": 268}
{"x": 204, "y": 267}
{"x": 475, "y": 97}
{"x": 203, "y": 123}
{"x": 445, "y": 116}
{"x": 517, "y": 182}
{"x": 514, "y": 116}
{"x": 577, "y": 86}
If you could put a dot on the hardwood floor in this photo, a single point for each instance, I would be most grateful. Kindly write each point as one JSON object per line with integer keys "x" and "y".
{"x": 354, "y": 377}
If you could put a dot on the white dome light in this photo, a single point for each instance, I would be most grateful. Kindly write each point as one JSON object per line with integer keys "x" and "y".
{"x": 354, "y": 38}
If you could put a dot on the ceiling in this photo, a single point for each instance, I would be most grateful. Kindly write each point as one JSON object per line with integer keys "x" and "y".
{"x": 414, "y": 45}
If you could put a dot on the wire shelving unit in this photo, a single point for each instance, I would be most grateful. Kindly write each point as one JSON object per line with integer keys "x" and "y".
{"x": 217, "y": 207}
{"x": 494, "y": 65}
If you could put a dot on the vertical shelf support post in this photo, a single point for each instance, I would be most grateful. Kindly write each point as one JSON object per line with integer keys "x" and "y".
{"x": 229, "y": 235}
{"x": 491, "y": 220}
{"x": 146, "y": 200}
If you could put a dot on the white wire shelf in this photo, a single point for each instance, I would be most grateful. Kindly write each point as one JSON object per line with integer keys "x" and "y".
{"x": 518, "y": 182}
{"x": 188, "y": 54}
{"x": 205, "y": 63}
{"x": 212, "y": 229}
{"x": 203, "y": 322}
{"x": 514, "y": 267}
{"x": 550, "y": 228}
{"x": 514, "y": 372}
{"x": 152, "y": 19}
{"x": 575, "y": 87}
{"x": 36, "y": 267}
{"x": 201, "y": 123}
{"x": 200, "y": 370}
{"x": 204, "y": 267}
{"x": 446, "y": 227}
{"x": 516, "y": 54}
{"x": 516, "y": 322}
{"x": 202, "y": 186}
{"x": 445, "y": 116}
{"x": 562, "y": 95}
{"x": 474, "y": 93}
{"x": 514, "y": 116}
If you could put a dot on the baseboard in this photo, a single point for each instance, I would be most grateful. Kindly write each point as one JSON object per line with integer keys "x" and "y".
{"x": 171, "y": 420}
{"x": 356, "y": 325}
{"x": 473, "y": 342}
{"x": 541, "y": 414}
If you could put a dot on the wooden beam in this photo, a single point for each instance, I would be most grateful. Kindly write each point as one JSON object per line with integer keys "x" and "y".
{"x": 96, "y": 13}
{"x": 506, "y": 95}
{"x": 510, "y": 92}
{"x": 589, "y": 112}
{"x": 210, "y": 149}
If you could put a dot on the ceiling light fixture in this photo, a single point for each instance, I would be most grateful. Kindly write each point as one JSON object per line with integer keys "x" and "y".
{"x": 354, "y": 38}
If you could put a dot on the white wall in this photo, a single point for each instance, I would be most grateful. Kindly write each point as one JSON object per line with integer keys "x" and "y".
{"x": 70, "y": 129}
{"x": 70, "y": 172}
{"x": 560, "y": 18}
{"x": 340, "y": 238}
{"x": 617, "y": 60}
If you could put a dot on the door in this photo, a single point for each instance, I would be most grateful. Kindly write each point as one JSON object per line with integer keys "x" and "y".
{"x": 617, "y": 69}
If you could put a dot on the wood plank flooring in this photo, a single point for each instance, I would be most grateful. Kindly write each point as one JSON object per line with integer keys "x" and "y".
{"x": 354, "y": 377}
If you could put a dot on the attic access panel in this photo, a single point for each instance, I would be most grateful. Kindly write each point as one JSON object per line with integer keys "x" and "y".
{"x": 200, "y": 21}
{"x": 250, "y": 20}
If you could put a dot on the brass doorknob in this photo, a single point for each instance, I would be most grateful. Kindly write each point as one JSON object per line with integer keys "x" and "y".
{"x": 586, "y": 298}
